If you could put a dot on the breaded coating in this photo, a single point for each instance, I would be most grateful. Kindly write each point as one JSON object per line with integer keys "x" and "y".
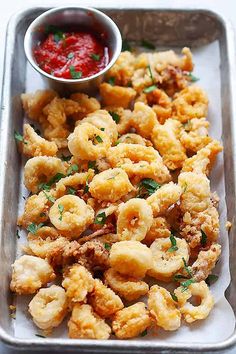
{"x": 33, "y": 103}
{"x": 87, "y": 105}
{"x": 131, "y": 321}
{"x": 84, "y": 323}
{"x": 44, "y": 247}
{"x": 205, "y": 262}
{"x": 103, "y": 300}
{"x": 164, "y": 197}
{"x": 127, "y": 287}
{"x": 163, "y": 308}
{"x": 160, "y": 228}
{"x": 123, "y": 118}
{"x": 203, "y": 161}
{"x": 132, "y": 138}
{"x": 48, "y": 307}
{"x": 200, "y": 311}
{"x": 165, "y": 139}
{"x": 192, "y": 102}
{"x": 199, "y": 213}
{"x": 29, "y": 274}
{"x": 143, "y": 119}
{"x": 35, "y": 145}
{"x": 110, "y": 185}
{"x": 160, "y": 103}
{"x": 76, "y": 181}
{"x": 123, "y": 69}
{"x": 194, "y": 135}
{"x": 134, "y": 219}
{"x": 116, "y": 95}
{"x": 131, "y": 258}
{"x": 140, "y": 161}
{"x": 41, "y": 169}
{"x": 78, "y": 282}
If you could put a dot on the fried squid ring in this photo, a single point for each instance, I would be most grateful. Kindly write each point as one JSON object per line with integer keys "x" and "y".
{"x": 87, "y": 142}
{"x": 134, "y": 219}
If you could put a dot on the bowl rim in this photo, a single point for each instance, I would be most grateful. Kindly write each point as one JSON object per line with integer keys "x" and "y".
{"x": 34, "y": 23}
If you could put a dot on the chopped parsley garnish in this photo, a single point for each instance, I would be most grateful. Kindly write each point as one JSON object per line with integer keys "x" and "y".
{"x": 75, "y": 74}
{"x": 117, "y": 142}
{"x": 19, "y": 137}
{"x": 150, "y": 72}
{"x": 92, "y": 165}
{"x": 211, "y": 279}
{"x": 65, "y": 158}
{"x": 42, "y": 215}
{"x": 86, "y": 187}
{"x": 111, "y": 81}
{"x": 187, "y": 269}
{"x": 115, "y": 116}
{"x": 72, "y": 168}
{"x": 54, "y": 179}
{"x": 174, "y": 297}
{"x": 33, "y": 228}
{"x": 71, "y": 190}
{"x": 144, "y": 333}
{"x": 61, "y": 209}
{"x": 95, "y": 57}
{"x": 17, "y": 234}
{"x": 150, "y": 89}
{"x": 185, "y": 187}
{"x": 98, "y": 138}
{"x": 70, "y": 55}
{"x": 179, "y": 276}
{"x": 58, "y": 34}
{"x": 147, "y": 44}
{"x": 203, "y": 239}
{"x": 147, "y": 187}
{"x": 100, "y": 218}
{"x": 174, "y": 246}
{"x": 49, "y": 197}
{"x": 126, "y": 46}
{"x": 107, "y": 246}
{"x": 39, "y": 335}
{"x": 185, "y": 284}
{"x": 193, "y": 78}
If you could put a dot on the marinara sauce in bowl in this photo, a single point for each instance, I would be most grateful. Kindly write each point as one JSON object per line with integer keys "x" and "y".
{"x": 72, "y": 47}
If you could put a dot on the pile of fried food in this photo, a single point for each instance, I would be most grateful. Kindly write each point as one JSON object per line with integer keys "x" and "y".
{"x": 120, "y": 199}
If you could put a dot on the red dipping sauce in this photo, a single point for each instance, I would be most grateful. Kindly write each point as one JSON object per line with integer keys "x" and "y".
{"x": 71, "y": 55}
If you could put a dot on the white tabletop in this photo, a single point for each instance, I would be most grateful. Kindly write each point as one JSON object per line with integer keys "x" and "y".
{"x": 7, "y": 7}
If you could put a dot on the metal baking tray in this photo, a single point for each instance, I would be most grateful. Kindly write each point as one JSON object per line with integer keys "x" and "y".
{"x": 169, "y": 28}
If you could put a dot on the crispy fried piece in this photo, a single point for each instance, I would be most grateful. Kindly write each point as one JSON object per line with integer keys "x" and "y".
{"x": 123, "y": 69}
{"x": 33, "y": 103}
{"x": 205, "y": 262}
{"x": 106, "y": 229}
{"x": 116, "y": 95}
{"x": 203, "y": 161}
{"x": 163, "y": 198}
{"x": 85, "y": 323}
{"x": 192, "y": 102}
{"x": 35, "y": 145}
{"x": 87, "y": 105}
{"x": 43, "y": 247}
{"x": 160, "y": 228}
{"x": 131, "y": 321}
{"x": 127, "y": 287}
{"x": 199, "y": 214}
{"x": 143, "y": 119}
{"x": 78, "y": 282}
{"x": 123, "y": 118}
{"x": 160, "y": 103}
{"x": 76, "y": 181}
{"x": 29, "y": 274}
{"x": 195, "y": 136}
{"x": 104, "y": 301}
{"x": 58, "y": 110}
{"x": 132, "y": 138}
{"x": 166, "y": 140}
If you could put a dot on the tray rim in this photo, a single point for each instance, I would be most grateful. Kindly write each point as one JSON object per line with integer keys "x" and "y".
{"x": 89, "y": 345}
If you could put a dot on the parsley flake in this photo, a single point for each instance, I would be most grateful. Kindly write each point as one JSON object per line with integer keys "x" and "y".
{"x": 143, "y": 334}
{"x": 211, "y": 279}
{"x": 65, "y": 158}
{"x": 115, "y": 116}
{"x": 98, "y": 138}
{"x": 19, "y": 137}
{"x": 187, "y": 269}
{"x": 174, "y": 297}
{"x": 49, "y": 197}
{"x": 147, "y": 44}
{"x": 61, "y": 209}
{"x": 111, "y": 81}
{"x": 126, "y": 46}
{"x": 17, "y": 234}
{"x": 117, "y": 142}
{"x": 70, "y": 55}
{"x": 147, "y": 187}
{"x": 185, "y": 284}
{"x": 75, "y": 74}
{"x": 174, "y": 246}
{"x": 86, "y": 187}
{"x": 95, "y": 57}
{"x": 54, "y": 179}
{"x": 107, "y": 246}
{"x": 100, "y": 218}
{"x": 72, "y": 168}
{"x": 150, "y": 89}
{"x": 203, "y": 239}
{"x": 193, "y": 78}
{"x": 33, "y": 228}
{"x": 150, "y": 72}
{"x": 92, "y": 165}
{"x": 71, "y": 190}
